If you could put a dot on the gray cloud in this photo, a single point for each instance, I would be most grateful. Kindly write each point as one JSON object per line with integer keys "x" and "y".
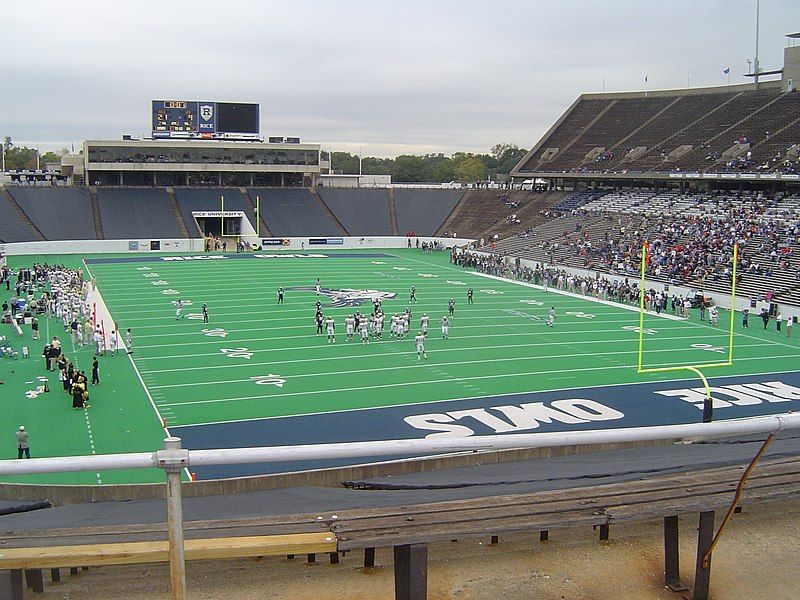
{"x": 384, "y": 76}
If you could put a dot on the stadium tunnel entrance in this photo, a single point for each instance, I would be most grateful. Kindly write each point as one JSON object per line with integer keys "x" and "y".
{"x": 222, "y": 224}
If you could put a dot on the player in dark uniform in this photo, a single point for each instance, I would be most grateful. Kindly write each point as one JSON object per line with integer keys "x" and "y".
{"x": 320, "y": 319}
{"x": 280, "y": 295}
{"x": 451, "y": 306}
{"x": 412, "y": 297}
{"x": 469, "y": 296}
{"x": 205, "y": 313}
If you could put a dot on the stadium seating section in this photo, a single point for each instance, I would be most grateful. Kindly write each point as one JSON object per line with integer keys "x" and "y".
{"x": 293, "y": 212}
{"x": 59, "y": 213}
{"x": 142, "y": 213}
{"x": 364, "y": 211}
{"x": 686, "y": 132}
{"x": 689, "y": 233}
{"x": 422, "y": 211}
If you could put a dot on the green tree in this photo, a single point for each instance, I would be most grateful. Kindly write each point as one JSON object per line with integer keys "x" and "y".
{"x": 470, "y": 169}
{"x": 407, "y": 168}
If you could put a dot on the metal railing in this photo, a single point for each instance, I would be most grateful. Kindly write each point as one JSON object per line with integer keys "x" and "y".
{"x": 173, "y": 458}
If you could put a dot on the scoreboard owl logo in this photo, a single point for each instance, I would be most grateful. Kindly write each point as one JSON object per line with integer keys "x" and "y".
{"x": 206, "y": 112}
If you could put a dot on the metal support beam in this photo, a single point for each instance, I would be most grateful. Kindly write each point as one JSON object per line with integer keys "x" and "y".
{"x": 411, "y": 572}
{"x": 705, "y": 535}
{"x": 11, "y": 585}
{"x": 672, "y": 572}
{"x": 34, "y": 580}
{"x": 369, "y": 558}
{"x": 173, "y": 459}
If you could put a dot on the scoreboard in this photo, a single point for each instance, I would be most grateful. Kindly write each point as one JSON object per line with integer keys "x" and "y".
{"x": 197, "y": 119}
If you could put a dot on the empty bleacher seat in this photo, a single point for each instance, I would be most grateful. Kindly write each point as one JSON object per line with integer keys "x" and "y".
{"x": 59, "y": 213}
{"x": 423, "y": 211}
{"x": 361, "y": 211}
{"x": 137, "y": 213}
{"x": 294, "y": 212}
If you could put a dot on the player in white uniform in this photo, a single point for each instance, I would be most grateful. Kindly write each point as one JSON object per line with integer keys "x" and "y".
{"x": 551, "y": 316}
{"x": 363, "y": 328}
{"x": 420, "y": 341}
{"x": 445, "y": 327}
{"x": 330, "y": 325}
{"x": 129, "y": 341}
{"x": 317, "y": 286}
{"x": 713, "y": 314}
{"x": 404, "y": 326}
{"x": 395, "y": 326}
{"x": 349, "y": 327}
{"x": 178, "y": 309}
{"x": 423, "y": 323}
{"x": 379, "y": 326}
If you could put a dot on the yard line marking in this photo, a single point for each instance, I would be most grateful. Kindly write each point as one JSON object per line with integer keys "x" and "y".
{"x": 358, "y": 356}
{"x": 281, "y": 395}
{"x": 547, "y": 333}
{"x": 416, "y": 365}
{"x": 664, "y": 376}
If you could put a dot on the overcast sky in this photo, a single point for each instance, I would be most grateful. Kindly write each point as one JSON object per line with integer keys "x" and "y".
{"x": 387, "y": 76}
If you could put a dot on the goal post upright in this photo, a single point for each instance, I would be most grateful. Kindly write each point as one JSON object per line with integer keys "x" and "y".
{"x": 707, "y": 410}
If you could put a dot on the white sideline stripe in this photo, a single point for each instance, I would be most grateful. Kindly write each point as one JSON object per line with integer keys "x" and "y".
{"x": 663, "y": 376}
{"x": 419, "y": 365}
{"x": 456, "y": 379}
{"x": 139, "y": 376}
{"x": 361, "y": 356}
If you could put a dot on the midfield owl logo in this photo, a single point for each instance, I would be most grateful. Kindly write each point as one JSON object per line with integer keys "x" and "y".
{"x": 348, "y": 296}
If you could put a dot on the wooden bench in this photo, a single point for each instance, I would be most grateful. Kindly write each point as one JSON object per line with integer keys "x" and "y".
{"x": 408, "y": 529}
{"x": 13, "y": 561}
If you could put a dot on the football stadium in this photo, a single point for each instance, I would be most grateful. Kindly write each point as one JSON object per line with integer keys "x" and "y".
{"x": 218, "y": 350}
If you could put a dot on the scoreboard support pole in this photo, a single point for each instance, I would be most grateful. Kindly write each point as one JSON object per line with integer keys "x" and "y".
{"x": 258, "y": 216}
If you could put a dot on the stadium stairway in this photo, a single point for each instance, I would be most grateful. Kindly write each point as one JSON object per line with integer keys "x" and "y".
{"x": 326, "y": 209}
{"x": 98, "y": 222}
{"x": 37, "y": 234}
{"x": 393, "y": 213}
{"x": 173, "y": 203}
{"x": 264, "y": 229}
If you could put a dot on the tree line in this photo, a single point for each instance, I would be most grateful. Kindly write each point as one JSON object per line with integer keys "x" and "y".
{"x": 19, "y": 158}
{"x": 433, "y": 168}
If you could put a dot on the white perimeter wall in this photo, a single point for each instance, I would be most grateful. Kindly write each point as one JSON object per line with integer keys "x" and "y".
{"x": 197, "y": 245}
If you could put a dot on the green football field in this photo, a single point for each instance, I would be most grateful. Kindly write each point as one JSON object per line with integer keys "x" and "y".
{"x": 258, "y": 362}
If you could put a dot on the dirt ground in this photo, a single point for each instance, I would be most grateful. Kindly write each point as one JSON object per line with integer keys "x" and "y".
{"x": 757, "y": 558}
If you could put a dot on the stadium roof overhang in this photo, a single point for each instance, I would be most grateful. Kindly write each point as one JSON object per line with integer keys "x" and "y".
{"x": 660, "y": 176}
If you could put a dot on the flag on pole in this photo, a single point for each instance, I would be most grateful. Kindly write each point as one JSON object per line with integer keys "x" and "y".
{"x": 727, "y": 70}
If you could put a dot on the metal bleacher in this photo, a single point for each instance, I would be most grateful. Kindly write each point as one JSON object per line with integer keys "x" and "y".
{"x": 59, "y": 213}
{"x": 361, "y": 211}
{"x": 423, "y": 211}
{"x": 294, "y": 212}
{"x": 137, "y": 212}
